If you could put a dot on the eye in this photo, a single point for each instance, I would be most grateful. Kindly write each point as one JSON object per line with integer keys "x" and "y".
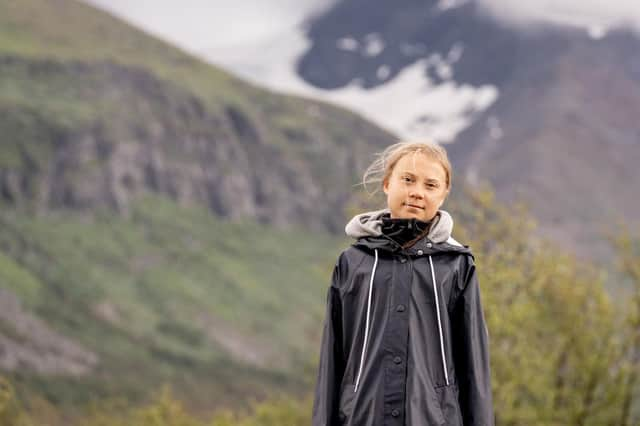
{"x": 406, "y": 178}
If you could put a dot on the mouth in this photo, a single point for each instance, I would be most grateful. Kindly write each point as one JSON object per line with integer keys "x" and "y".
{"x": 414, "y": 206}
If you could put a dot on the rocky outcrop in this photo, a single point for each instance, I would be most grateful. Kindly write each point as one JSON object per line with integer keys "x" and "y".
{"x": 285, "y": 162}
{"x": 28, "y": 344}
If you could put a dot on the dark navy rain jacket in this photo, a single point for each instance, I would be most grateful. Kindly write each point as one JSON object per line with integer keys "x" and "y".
{"x": 404, "y": 339}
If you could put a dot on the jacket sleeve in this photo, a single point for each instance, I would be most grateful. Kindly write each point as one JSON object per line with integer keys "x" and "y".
{"x": 331, "y": 366}
{"x": 471, "y": 353}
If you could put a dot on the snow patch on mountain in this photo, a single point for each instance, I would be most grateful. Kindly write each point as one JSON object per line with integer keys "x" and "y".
{"x": 450, "y": 4}
{"x": 409, "y": 105}
{"x": 597, "y": 32}
{"x": 383, "y": 72}
{"x": 348, "y": 44}
{"x": 374, "y": 45}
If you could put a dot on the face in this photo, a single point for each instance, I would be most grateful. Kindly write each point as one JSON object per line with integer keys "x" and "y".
{"x": 416, "y": 188}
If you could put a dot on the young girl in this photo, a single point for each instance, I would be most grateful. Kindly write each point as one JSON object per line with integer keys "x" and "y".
{"x": 404, "y": 339}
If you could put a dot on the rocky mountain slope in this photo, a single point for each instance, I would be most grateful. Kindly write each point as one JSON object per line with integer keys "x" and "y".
{"x": 562, "y": 132}
{"x": 140, "y": 195}
{"x": 96, "y": 120}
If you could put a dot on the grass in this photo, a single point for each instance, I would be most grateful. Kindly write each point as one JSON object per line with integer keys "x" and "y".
{"x": 160, "y": 269}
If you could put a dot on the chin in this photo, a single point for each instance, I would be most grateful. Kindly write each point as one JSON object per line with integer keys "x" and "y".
{"x": 418, "y": 215}
{"x": 409, "y": 215}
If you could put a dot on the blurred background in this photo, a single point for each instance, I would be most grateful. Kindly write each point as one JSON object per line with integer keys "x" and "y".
{"x": 175, "y": 178}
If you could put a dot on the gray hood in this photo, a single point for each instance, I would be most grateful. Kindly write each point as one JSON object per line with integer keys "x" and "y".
{"x": 368, "y": 225}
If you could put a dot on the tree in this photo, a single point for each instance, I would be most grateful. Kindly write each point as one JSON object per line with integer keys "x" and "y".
{"x": 557, "y": 342}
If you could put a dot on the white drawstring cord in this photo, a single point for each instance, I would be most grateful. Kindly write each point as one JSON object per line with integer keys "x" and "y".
{"x": 366, "y": 329}
{"x": 435, "y": 292}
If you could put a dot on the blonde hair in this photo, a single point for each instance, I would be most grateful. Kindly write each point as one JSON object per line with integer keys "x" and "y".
{"x": 380, "y": 170}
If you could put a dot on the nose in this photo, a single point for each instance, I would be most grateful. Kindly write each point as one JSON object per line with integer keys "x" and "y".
{"x": 416, "y": 194}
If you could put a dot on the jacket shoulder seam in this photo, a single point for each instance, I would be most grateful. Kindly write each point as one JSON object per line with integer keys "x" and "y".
{"x": 351, "y": 267}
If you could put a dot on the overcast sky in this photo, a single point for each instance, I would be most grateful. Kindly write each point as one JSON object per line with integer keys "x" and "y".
{"x": 578, "y": 12}
{"x": 205, "y": 24}
{"x": 199, "y": 25}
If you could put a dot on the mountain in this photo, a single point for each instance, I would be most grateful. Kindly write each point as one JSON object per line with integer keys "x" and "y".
{"x": 117, "y": 113}
{"x": 161, "y": 220}
{"x": 543, "y": 109}
{"x": 561, "y": 132}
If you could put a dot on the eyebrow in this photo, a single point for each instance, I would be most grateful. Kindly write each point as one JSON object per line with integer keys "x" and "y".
{"x": 426, "y": 180}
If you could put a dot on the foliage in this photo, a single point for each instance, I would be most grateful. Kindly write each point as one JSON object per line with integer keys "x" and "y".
{"x": 11, "y": 412}
{"x": 165, "y": 410}
{"x": 559, "y": 345}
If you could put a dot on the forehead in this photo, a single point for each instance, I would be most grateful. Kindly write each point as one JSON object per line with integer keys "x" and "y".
{"x": 421, "y": 165}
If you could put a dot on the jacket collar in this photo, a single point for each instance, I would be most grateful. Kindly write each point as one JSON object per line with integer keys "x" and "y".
{"x": 366, "y": 229}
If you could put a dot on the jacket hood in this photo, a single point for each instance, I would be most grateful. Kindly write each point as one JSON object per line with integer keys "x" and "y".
{"x": 366, "y": 229}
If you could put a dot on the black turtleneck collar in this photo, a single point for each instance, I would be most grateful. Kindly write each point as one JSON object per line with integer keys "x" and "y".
{"x": 404, "y": 231}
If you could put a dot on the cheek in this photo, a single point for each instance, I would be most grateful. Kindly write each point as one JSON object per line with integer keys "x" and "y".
{"x": 396, "y": 192}
{"x": 436, "y": 198}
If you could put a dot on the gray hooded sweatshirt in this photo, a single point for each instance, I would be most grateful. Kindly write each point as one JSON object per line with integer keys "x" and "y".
{"x": 369, "y": 225}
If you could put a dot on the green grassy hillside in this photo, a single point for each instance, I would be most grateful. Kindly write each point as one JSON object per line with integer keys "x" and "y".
{"x": 115, "y": 284}
{"x": 169, "y": 295}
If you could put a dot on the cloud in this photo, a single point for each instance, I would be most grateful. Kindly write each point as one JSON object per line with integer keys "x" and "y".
{"x": 199, "y": 25}
{"x": 581, "y": 13}
{"x": 202, "y": 24}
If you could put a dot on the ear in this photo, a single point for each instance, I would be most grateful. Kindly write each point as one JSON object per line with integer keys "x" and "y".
{"x": 385, "y": 186}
